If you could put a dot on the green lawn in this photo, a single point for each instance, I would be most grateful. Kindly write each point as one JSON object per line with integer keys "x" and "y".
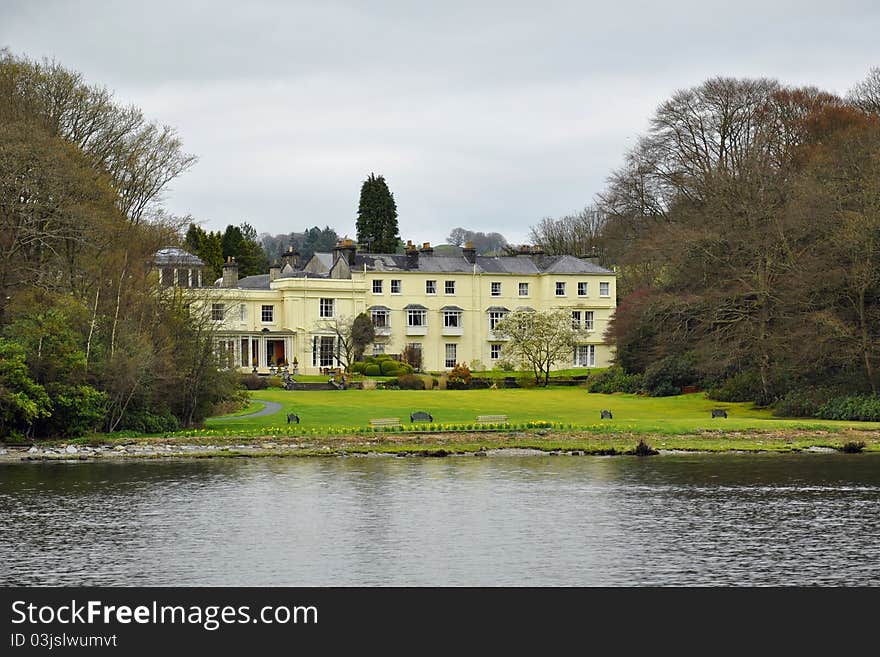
{"x": 571, "y": 406}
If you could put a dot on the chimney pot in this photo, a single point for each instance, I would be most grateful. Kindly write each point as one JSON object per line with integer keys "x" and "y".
{"x": 469, "y": 252}
{"x": 230, "y": 273}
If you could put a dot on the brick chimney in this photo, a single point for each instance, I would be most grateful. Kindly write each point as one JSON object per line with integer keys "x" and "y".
{"x": 345, "y": 248}
{"x": 469, "y": 253}
{"x": 426, "y": 249}
{"x": 290, "y": 257}
{"x": 538, "y": 256}
{"x": 592, "y": 256}
{"x": 230, "y": 272}
{"x": 412, "y": 255}
{"x": 274, "y": 271}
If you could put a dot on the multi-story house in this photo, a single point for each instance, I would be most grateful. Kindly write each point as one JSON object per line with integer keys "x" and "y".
{"x": 446, "y": 307}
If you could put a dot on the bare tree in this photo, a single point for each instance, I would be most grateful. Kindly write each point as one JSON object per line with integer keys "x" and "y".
{"x": 577, "y": 234}
{"x": 352, "y": 335}
{"x": 866, "y": 94}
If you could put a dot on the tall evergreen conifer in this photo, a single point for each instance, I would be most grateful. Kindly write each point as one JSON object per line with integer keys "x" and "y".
{"x": 377, "y": 217}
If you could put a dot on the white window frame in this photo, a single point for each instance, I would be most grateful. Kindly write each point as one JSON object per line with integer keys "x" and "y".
{"x": 583, "y": 289}
{"x": 607, "y": 286}
{"x": 376, "y": 314}
{"x": 378, "y": 284}
{"x": 576, "y": 319}
{"x": 411, "y": 315}
{"x": 589, "y": 353}
{"x": 323, "y": 305}
{"x": 270, "y": 309}
{"x": 494, "y": 318}
{"x": 242, "y": 312}
{"x": 446, "y": 287}
{"x": 495, "y": 288}
{"x": 494, "y": 352}
{"x": 431, "y": 286}
{"x": 218, "y": 309}
{"x": 399, "y": 285}
{"x": 447, "y": 359}
{"x": 452, "y": 319}
{"x": 558, "y": 284}
{"x": 523, "y": 289}
{"x": 589, "y": 320}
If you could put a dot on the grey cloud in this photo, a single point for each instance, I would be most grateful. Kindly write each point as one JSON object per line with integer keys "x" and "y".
{"x": 488, "y": 115}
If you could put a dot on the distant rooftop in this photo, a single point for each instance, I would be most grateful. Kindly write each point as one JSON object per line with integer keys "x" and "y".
{"x": 171, "y": 255}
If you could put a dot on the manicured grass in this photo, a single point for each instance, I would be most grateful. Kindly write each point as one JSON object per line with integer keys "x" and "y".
{"x": 685, "y": 414}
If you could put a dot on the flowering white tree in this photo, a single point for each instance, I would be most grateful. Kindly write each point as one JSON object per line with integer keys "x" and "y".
{"x": 538, "y": 340}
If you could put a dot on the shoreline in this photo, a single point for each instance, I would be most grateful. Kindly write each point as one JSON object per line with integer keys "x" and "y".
{"x": 538, "y": 442}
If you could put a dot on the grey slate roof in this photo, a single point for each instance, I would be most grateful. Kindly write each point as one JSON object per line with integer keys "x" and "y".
{"x": 567, "y": 264}
{"x": 258, "y": 282}
{"x": 452, "y": 308}
{"x": 393, "y": 262}
{"x": 519, "y": 264}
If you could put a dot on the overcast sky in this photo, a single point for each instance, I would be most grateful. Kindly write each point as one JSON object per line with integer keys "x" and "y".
{"x": 482, "y": 114}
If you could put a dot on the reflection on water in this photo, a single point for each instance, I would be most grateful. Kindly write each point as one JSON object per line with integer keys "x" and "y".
{"x": 668, "y": 520}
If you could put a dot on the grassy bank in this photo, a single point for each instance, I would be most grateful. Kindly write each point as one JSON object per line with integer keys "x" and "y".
{"x": 550, "y": 420}
{"x": 566, "y": 408}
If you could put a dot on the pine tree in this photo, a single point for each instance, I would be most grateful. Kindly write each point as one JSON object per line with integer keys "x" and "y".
{"x": 377, "y": 230}
{"x": 206, "y": 246}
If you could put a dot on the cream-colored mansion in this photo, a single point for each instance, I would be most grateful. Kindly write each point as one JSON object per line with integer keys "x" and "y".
{"x": 444, "y": 306}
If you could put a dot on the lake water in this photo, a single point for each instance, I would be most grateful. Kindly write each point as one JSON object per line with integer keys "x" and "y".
{"x": 808, "y": 519}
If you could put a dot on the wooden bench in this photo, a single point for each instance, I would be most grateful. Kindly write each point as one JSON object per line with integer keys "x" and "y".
{"x": 385, "y": 422}
{"x": 493, "y": 419}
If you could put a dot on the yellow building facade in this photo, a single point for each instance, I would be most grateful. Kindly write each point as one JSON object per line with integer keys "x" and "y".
{"x": 444, "y": 306}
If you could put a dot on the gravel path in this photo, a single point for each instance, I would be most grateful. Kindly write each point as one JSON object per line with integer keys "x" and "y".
{"x": 269, "y": 408}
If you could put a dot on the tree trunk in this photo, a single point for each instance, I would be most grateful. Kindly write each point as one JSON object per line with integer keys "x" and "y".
{"x": 866, "y": 342}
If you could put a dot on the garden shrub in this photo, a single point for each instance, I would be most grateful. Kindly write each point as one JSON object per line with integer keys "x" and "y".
{"x": 741, "y": 387}
{"x": 615, "y": 379}
{"x": 668, "y": 376}
{"x": 147, "y": 421}
{"x": 372, "y": 370}
{"x": 274, "y": 382}
{"x": 254, "y": 382}
{"x": 803, "y": 402}
{"x": 387, "y": 366}
{"x": 410, "y": 382}
{"x": 76, "y": 410}
{"x": 358, "y": 366}
{"x": 526, "y": 381}
{"x": 862, "y": 408}
{"x": 459, "y": 377}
